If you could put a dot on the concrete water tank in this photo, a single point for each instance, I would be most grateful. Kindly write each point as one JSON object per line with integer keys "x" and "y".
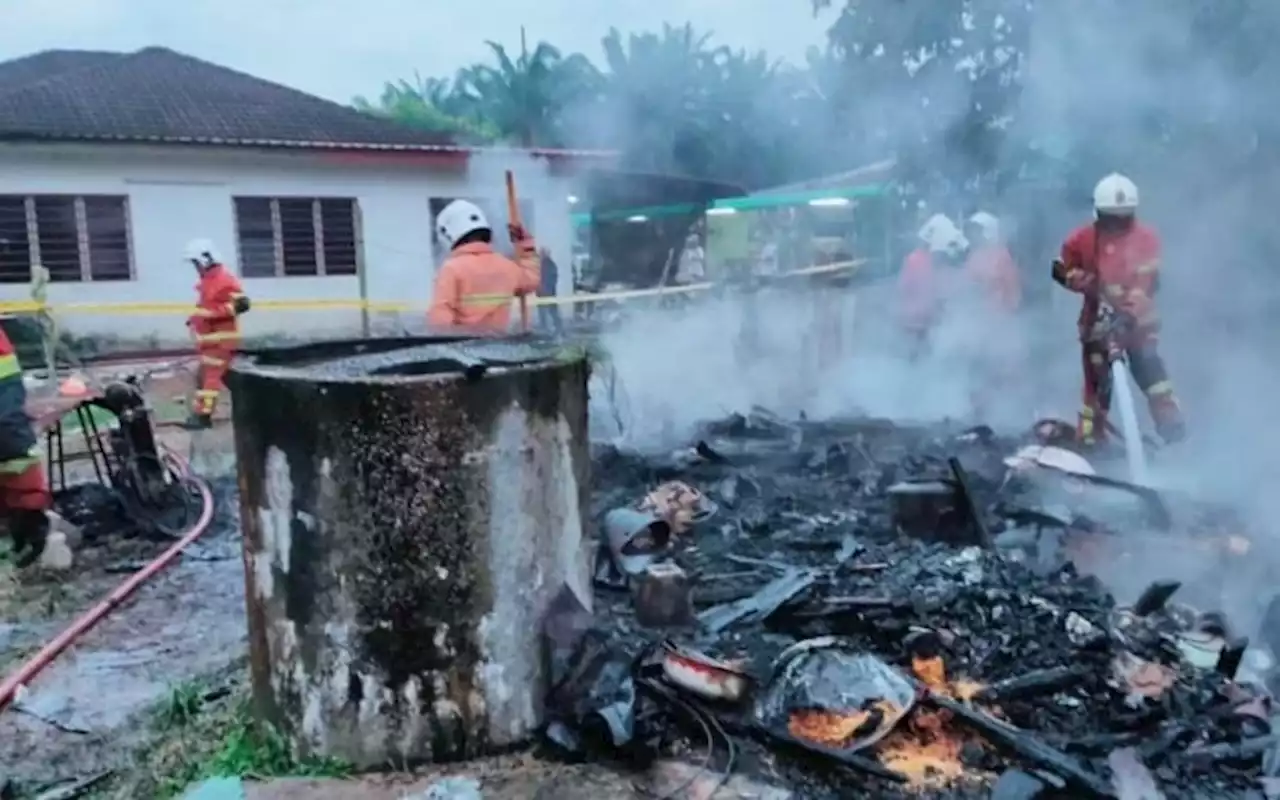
{"x": 410, "y": 508}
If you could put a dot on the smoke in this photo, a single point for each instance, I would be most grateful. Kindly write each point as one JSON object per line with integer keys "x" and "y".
{"x": 1133, "y": 87}
{"x": 1147, "y": 98}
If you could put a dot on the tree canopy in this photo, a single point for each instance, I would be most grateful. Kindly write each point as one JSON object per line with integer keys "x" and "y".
{"x": 962, "y": 93}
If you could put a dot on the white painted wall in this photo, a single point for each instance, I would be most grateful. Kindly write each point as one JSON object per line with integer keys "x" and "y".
{"x": 176, "y": 194}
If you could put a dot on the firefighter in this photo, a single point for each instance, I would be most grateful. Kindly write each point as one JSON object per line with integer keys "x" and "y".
{"x": 215, "y": 326}
{"x": 24, "y": 489}
{"x": 920, "y": 291}
{"x": 994, "y": 348}
{"x": 990, "y": 266}
{"x": 1115, "y": 264}
{"x": 475, "y": 285}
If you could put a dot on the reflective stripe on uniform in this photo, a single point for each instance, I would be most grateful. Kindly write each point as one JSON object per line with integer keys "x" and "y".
{"x": 211, "y": 361}
{"x": 486, "y": 300}
{"x": 15, "y": 466}
{"x": 1085, "y": 429}
{"x": 1160, "y": 388}
{"x": 220, "y": 336}
{"x": 1148, "y": 267}
{"x": 9, "y": 366}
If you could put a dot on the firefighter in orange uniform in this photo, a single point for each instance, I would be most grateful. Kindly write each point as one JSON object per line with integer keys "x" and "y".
{"x": 1115, "y": 263}
{"x": 990, "y": 266}
{"x": 216, "y": 327}
{"x": 921, "y": 284}
{"x": 475, "y": 286}
{"x": 991, "y": 281}
{"x": 24, "y": 489}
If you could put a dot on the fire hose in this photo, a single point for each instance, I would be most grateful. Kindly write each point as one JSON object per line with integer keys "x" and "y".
{"x": 83, "y": 624}
{"x": 1114, "y": 325}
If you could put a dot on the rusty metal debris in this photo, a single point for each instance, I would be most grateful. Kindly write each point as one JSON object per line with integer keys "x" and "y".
{"x": 664, "y": 597}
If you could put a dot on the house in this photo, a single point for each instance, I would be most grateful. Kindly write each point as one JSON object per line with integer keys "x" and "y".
{"x": 110, "y": 162}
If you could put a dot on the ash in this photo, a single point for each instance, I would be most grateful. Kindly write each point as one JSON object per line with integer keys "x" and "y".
{"x": 926, "y": 554}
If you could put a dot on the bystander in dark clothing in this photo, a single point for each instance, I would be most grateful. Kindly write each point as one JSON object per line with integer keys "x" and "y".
{"x": 549, "y": 314}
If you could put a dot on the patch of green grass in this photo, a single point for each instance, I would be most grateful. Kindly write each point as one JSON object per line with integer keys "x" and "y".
{"x": 198, "y": 734}
{"x": 101, "y": 417}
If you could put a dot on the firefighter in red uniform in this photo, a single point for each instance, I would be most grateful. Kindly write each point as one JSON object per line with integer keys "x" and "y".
{"x": 1115, "y": 264}
{"x": 216, "y": 327}
{"x": 921, "y": 284}
{"x": 24, "y": 489}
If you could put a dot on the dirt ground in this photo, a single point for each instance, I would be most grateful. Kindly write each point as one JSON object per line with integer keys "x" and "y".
{"x": 526, "y": 778}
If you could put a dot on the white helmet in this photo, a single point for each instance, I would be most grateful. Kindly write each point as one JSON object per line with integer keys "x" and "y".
{"x": 202, "y": 253}
{"x": 941, "y": 235}
{"x": 458, "y": 219}
{"x": 1115, "y": 195}
{"x": 986, "y": 222}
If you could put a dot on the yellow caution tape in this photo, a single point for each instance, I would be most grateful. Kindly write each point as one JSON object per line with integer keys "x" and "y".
{"x": 185, "y": 309}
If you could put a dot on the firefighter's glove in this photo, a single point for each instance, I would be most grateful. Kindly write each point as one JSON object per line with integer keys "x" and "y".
{"x": 241, "y": 305}
{"x": 1060, "y": 272}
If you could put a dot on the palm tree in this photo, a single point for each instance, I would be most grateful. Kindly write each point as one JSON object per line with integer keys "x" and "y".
{"x": 524, "y": 96}
{"x": 657, "y": 96}
{"x": 430, "y": 104}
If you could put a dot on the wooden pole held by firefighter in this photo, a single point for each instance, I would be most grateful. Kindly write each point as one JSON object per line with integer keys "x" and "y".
{"x": 513, "y": 217}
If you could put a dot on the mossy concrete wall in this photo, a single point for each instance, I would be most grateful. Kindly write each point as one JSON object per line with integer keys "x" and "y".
{"x": 402, "y": 540}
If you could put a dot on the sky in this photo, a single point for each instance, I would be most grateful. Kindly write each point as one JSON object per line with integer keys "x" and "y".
{"x": 340, "y": 48}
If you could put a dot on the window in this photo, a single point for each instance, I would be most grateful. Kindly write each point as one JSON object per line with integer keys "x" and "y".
{"x": 77, "y": 238}
{"x": 296, "y": 236}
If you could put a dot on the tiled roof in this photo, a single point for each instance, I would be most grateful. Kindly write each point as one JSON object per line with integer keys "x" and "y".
{"x": 47, "y": 63}
{"x": 157, "y": 95}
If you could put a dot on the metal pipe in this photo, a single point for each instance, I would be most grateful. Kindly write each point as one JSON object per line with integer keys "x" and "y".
{"x": 55, "y": 647}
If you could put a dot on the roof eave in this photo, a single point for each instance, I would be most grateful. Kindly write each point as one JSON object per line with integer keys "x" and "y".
{"x": 313, "y": 146}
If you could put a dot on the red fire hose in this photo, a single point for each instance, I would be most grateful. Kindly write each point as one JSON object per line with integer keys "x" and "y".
{"x": 55, "y": 647}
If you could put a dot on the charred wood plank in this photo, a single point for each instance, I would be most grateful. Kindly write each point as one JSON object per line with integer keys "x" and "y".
{"x": 1154, "y": 597}
{"x": 1025, "y": 745}
{"x": 981, "y": 533}
{"x": 1036, "y": 682}
{"x": 842, "y": 757}
{"x": 1232, "y": 751}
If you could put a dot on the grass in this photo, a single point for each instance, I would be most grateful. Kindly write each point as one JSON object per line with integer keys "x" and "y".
{"x": 198, "y": 733}
{"x": 164, "y": 410}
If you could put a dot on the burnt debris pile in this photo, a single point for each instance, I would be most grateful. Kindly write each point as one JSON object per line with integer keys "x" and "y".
{"x": 863, "y": 608}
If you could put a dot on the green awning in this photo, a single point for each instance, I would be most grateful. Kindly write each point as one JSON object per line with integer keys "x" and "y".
{"x": 754, "y": 202}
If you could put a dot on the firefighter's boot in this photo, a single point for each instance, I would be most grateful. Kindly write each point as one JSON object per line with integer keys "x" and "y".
{"x": 198, "y": 422}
